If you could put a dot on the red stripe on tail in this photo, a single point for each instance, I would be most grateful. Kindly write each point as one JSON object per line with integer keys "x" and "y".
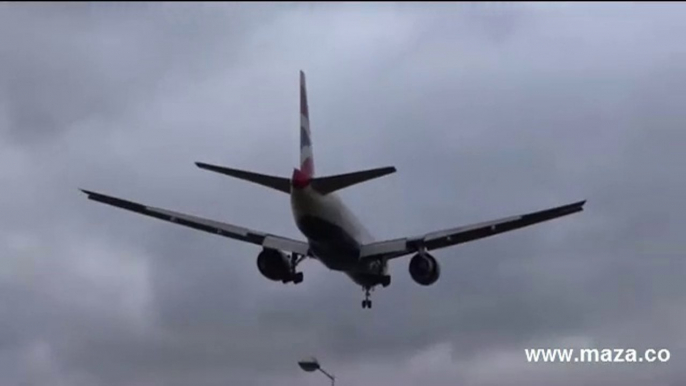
{"x": 300, "y": 180}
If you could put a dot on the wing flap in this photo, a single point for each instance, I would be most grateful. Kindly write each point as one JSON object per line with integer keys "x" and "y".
{"x": 435, "y": 240}
{"x": 469, "y": 233}
{"x": 206, "y": 225}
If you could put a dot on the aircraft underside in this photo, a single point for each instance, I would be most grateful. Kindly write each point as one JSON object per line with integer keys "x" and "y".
{"x": 277, "y": 266}
{"x": 336, "y": 246}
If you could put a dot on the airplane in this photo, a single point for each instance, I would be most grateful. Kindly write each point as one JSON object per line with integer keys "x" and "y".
{"x": 334, "y": 235}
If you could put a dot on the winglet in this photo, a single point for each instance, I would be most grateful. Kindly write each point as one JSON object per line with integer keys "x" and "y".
{"x": 89, "y": 193}
{"x": 576, "y": 206}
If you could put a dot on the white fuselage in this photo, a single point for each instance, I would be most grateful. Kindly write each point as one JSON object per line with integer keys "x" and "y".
{"x": 334, "y": 234}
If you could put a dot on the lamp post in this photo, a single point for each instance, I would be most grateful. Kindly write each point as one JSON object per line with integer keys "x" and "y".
{"x": 311, "y": 365}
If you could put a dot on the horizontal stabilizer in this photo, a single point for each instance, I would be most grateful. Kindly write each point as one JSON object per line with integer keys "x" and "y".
{"x": 326, "y": 185}
{"x": 277, "y": 183}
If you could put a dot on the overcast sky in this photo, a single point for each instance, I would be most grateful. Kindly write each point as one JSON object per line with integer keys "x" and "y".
{"x": 486, "y": 111}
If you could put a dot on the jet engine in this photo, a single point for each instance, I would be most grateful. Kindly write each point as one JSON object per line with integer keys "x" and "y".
{"x": 274, "y": 265}
{"x": 424, "y": 269}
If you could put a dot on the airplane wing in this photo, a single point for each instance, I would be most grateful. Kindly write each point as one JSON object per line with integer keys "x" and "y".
{"x": 211, "y": 226}
{"x": 395, "y": 248}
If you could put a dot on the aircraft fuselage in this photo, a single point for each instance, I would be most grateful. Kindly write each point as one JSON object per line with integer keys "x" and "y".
{"x": 334, "y": 234}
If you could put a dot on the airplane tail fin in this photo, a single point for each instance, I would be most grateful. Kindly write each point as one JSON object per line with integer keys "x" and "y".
{"x": 304, "y": 176}
{"x": 306, "y": 155}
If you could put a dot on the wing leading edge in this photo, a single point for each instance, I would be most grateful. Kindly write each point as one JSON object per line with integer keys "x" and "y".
{"x": 390, "y": 249}
{"x": 206, "y": 225}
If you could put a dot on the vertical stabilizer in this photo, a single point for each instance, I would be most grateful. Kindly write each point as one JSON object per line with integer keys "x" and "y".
{"x": 306, "y": 156}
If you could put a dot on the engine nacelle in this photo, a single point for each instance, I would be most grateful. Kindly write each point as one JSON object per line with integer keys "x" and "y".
{"x": 424, "y": 269}
{"x": 274, "y": 265}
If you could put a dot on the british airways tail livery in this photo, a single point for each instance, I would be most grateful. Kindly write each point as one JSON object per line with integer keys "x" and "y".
{"x": 333, "y": 234}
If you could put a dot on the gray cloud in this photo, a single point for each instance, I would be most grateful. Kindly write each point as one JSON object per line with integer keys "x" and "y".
{"x": 485, "y": 111}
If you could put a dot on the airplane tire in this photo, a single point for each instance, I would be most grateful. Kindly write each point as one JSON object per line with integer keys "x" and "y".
{"x": 298, "y": 278}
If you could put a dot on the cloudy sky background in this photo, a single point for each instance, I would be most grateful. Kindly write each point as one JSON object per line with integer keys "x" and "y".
{"x": 486, "y": 111}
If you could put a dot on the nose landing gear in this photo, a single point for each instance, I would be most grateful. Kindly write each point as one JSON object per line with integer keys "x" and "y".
{"x": 366, "y": 303}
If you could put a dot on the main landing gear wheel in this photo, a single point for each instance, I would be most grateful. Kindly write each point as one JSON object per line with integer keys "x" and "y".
{"x": 298, "y": 278}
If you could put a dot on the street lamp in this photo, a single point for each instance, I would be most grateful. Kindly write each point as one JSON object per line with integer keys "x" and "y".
{"x": 311, "y": 365}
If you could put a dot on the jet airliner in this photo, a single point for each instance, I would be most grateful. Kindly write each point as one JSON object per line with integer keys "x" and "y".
{"x": 333, "y": 234}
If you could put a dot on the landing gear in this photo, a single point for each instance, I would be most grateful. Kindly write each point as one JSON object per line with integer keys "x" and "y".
{"x": 386, "y": 281}
{"x": 366, "y": 303}
{"x": 298, "y": 278}
{"x": 295, "y": 277}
